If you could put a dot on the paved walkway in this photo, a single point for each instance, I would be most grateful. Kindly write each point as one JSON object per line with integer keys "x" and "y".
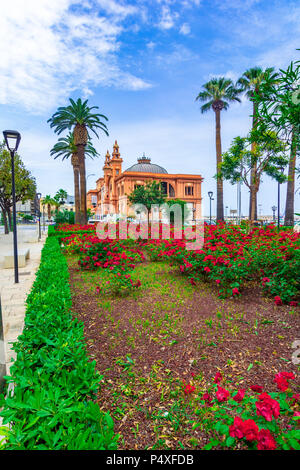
{"x": 13, "y": 295}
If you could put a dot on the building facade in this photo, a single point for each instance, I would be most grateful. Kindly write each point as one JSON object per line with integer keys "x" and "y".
{"x": 112, "y": 189}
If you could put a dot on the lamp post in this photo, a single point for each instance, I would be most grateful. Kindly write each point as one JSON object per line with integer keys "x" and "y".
{"x": 38, "y": 195}
{"x": 210, "y": 195}
{"x": 281, "y": 169}
{"x": 91, "y": 174}
{"x": 44, "y": 222}
{"x": 274, "y": 210}
{"x": 12, "y": 140}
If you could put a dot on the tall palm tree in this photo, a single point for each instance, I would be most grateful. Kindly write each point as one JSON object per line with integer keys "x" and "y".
{"x": 66, "y": 148}
{"x": 250, "y": 83}
{"x": 48, "y": 201}
{"x": 217, "y": 94}
{"x": 79, "y": 117}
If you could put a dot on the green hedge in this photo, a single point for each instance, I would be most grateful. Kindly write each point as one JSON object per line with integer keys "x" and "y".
{"x": 60, "y": 234}
{"x": 52, "y": 405}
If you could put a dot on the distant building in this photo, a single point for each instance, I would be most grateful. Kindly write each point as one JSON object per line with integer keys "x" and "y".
{"x": 110, "y": 194}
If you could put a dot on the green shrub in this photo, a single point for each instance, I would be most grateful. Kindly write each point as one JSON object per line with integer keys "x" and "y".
{"x": 55, "y": 384}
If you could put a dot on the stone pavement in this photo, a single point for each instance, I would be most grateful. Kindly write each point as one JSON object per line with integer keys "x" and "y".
{"x": 13, "y": 295}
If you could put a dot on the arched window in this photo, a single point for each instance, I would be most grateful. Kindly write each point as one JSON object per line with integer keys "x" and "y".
{"x": 171, "y": 191}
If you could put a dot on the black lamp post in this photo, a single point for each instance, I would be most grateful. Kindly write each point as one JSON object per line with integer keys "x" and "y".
{"x": 281, "y": 169}
{"x": 44, "y": 223}
{"x": 12, "y": 140}
{"x": 274, "y": 210}
{"x": 38, "y": 195}
{"x": 210, "y": 195}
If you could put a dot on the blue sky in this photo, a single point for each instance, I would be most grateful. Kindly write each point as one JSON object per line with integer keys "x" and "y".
{"x": 143, "y": 63}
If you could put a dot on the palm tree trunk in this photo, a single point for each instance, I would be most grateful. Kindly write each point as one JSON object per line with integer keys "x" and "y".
{"x": 83, "y": 209}
{"x": 49, "y": 212}
{"x": 220, "y": 206}
{"x": 75, "y": 164}
{"x": 252, "y": 174}
{"x": 290, "y": 192}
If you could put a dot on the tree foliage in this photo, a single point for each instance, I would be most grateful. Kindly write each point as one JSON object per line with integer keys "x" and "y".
{"x": 147, "y": 195}
{"x": 267, "y": 157}
{"x": 278, "y": 103}
{"x": 25, "y": 185}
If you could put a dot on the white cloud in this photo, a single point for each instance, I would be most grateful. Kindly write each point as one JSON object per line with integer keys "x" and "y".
{"x": 185, "y": 29}
{"x": 48, "y": 50}
{"x": 167, "y": 19}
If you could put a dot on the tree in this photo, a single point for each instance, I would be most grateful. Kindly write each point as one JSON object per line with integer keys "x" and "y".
{"x": 217, "y": 94}
{"x": 25, "y": 185}
{"x": 149, "y": 194}
{"x": 267, "y": 157}
{"x": 278, "y": 108}
{"x": 79, "y": 117}
{"x": 66, "y": 148}
{"x": 48, "y": 201}
{"x": 61, "y": 196}
{"x": 251, "y": 82}
{"x": 184, "y": 209}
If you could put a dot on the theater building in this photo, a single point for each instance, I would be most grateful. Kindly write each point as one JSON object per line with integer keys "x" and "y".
{"x": 110, "y": 194}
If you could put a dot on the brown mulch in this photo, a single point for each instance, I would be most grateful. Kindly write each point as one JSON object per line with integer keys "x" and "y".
{"x": 249, "y": 339}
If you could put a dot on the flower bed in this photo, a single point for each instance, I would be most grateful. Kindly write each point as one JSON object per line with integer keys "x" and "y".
{"x": 55, "y": 384}
{"x": 229, "y": 258}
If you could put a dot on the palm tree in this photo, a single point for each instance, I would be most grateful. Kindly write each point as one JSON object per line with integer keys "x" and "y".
{"x": 66, "y": 148}
{"x": 250, "y": 83}
{"x": 79, "y": 117}
{"x": 217, "y": 94}
{"x": 48, "y": 201}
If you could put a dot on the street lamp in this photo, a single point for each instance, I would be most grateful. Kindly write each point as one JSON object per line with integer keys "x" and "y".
{"x": 91, "y": 174}
{"x": 281, "y": 169}
{"x": 38, "y": 195}
{"x": 274, "y": 210}
{"x": 12, "y": 140}
{"x": 210, "y": 195}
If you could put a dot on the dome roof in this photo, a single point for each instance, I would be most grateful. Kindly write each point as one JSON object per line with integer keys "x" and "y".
{"x": 144, "y": 166}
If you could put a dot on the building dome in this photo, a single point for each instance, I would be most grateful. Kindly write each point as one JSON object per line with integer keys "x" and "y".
{"x": 144, "y": 165}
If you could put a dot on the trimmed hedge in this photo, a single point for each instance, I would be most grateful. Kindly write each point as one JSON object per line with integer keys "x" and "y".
{"x": 60, "y": 234}
{"x": 52, "y": 406}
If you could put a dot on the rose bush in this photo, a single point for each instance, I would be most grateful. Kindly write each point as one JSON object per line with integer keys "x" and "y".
{"x": 229, "y": 257}
{"x": 250, "y": 419}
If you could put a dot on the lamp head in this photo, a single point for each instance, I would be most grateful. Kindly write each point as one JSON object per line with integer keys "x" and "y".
{"x": 12, "y": 140}
{"x": 210, "y": 194}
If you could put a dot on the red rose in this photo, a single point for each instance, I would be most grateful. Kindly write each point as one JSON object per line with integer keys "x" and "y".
{"x": 218, "y": 378}
{"x": 277, "y": 300}
{"x": 222, "y": 394}
{"x": 250, "y": 429}
{"x": 265, "y": 440}
{"x": 189, "y": 389}
{"x": 267, "y": 407}
{"x": 235, "y": 291}
{"x": 239, "y": 396}
{"x": 237, "y": 428}
{"x": 208, "y": 399}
